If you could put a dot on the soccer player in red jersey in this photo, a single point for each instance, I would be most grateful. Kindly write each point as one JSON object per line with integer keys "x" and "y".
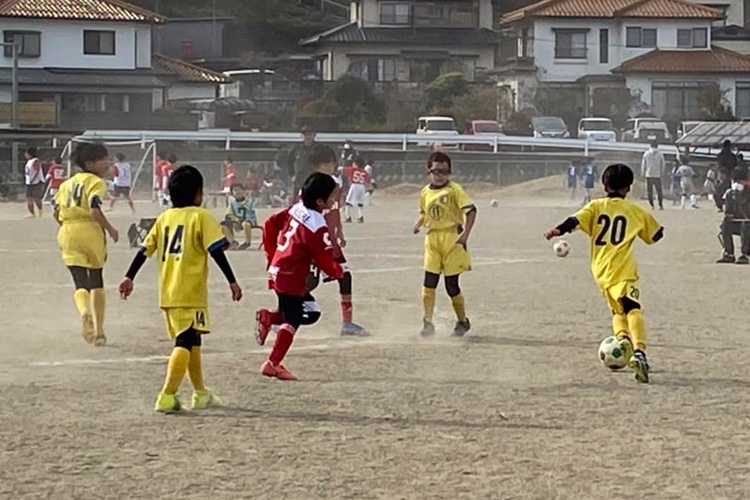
{"x": 56, "y": 175}
{"x": 358, "y": 179}
{"x": 295, "y": 239}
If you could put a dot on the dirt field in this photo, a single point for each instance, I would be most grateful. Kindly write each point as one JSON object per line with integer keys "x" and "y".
{"x": 519, "y": 409}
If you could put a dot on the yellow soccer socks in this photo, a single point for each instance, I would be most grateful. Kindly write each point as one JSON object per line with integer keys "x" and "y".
{"x": 620, "y": 326}
{"x": 178, "y": 365}
{"x": 248, "y": 228}
{"x": 99, "y": 305}
{"x": 637, "y": 328}
{"x": 428, "y": 302}
{"x": 195, "y": 369}
{"x": 82, "y": 300}
{"x": 459, "y": 307}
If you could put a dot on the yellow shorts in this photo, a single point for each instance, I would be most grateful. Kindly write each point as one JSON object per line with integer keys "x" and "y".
{"x": 616, "y": 293}
{"x": 181, "y": 319}
{"x": 443, "y": 255}
{"x": 83, "y": 244}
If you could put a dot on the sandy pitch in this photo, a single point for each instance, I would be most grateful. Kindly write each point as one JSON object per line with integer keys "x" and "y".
{"x": 519, "y": 409}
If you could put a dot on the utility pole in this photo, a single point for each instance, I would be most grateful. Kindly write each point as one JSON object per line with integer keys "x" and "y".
{"x": 14, "y": 88}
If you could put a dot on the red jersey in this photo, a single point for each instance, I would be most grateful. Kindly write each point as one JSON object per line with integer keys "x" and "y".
{"x": 159, "y": 174}
{"x": 56, "y": 175}
{"x": 302, "y": 242}
{"x": 166, "y": 171}
{"x": 230, "y": 178}
{"x": 357, "y": 175}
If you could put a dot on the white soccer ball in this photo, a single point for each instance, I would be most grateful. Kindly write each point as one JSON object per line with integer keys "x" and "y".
{"x": 493, "y": 203}
{"x": 611, "y": 355}
{"x": 561, "y": 248}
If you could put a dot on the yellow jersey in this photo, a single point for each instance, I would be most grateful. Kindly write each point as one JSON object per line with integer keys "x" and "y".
{"x": 182, "y": 239}
{"x": 443, "y": 208}
{"x": 613, "y": 224}
{"x": 78, "y": 195}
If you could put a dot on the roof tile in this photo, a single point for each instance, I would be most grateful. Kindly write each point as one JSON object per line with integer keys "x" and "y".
{"x": 90, "y": 10}
{"x": 716, "y": 60}
{"x": 188, "y": 72}
{"x": 671, "y": 9}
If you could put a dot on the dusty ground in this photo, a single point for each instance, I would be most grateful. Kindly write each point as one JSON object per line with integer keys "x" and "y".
{"x": 519, "y": 409}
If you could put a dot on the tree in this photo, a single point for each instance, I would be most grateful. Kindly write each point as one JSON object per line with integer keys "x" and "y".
{"x": 714, "y": 104}
{"x": 444, "y": 89}
{"x": 350, "y": 101}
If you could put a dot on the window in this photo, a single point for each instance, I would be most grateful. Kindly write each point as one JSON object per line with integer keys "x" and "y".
{"x": 99, "y": 42}
{"x": 374, "y": 70}
{"x": 636, "y": 37}
{"x": 696, "y": 38}
{"x": 679, "y": 99}
{"x": 28, "y": 43}
{"x": 395, "y": 13}
{"x": 743, "y": 100}
{"x": 450, "y": 14}
{"x": 604, "y": 46}
{"x": 570, "y": 44}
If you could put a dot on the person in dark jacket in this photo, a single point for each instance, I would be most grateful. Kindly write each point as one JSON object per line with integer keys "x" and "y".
{"x": 727, "y": 162}
{"x": 736, "y": 218}
{"x": 298, "y": 163}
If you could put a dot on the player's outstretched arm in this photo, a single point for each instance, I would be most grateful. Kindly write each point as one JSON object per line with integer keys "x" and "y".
{"x": 567, "y": 226}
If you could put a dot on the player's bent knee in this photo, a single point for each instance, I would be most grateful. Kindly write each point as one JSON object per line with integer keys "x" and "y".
{"x": 345, "y": 284}
{"x": 188, "y": 339}
{"x": 451, "y": 286}
{"x": 431, "y": 280}
{"x": 310, "y": 313}
{"x": 629, "y": 305}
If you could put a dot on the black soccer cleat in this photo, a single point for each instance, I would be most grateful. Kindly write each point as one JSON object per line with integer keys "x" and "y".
{"x": 743, "y": 259}
{"x": 428, "y": 329}
{"x": 726, "y": 259}
{"x": 461, "y": 328}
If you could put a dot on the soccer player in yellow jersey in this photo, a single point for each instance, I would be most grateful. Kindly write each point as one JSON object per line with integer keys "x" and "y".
{"x": 77, "y": 208}
{"x": 448, "y": 214}
{"x": 613, "y": 224}
{"x": 182, "y": 238}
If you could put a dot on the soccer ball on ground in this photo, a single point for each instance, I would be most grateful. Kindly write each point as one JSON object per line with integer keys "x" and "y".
{"x": 561, "y": 248}
{"x": 611, "y": 355}
{"x": 493, "y": 203}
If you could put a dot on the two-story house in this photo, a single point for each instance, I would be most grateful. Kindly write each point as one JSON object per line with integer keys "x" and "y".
{"x": 659, "y": 50}
{"x": 408, "y": 41}
{"x": 90, "y": 64}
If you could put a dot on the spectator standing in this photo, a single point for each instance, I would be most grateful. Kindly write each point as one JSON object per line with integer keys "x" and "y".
{"x": 298, "y": 163}
{"x": 653, "y": 168}
{"x": 727, "y": 161}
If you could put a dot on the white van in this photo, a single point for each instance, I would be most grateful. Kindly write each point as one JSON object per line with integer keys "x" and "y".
{"x": 596, "y": 129}
{"x": 443, "y": 125}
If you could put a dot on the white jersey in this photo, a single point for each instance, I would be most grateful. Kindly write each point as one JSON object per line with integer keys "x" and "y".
{"x": 33, "y": 172}
{"x": 123, "y": 174}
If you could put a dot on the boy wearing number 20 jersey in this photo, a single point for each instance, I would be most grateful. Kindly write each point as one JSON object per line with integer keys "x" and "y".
{"x": 613, "y": 224}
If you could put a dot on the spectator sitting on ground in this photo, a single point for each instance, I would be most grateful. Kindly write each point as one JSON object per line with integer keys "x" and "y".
{"x": 736, "y": 218}
{"x": 240, "y": 216}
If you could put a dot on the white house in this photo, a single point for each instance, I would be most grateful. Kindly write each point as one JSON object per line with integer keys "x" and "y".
{"x": 89, "y": 63}
{"x": 408, "y": 40}
{"x": 659, "y": 50}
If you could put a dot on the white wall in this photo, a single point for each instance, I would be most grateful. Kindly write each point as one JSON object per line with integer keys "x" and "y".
{"x": 370, "y": 13}
{"x": 62, "y": 44}
{"x": 737, "y": 46}
{"x": 191, "y": 91}
{"x": 570, "y": 70}
{"x": 485, "y": 14}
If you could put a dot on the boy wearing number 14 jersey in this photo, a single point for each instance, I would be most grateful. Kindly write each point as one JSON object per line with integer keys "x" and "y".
{"x": 613, "y": 224}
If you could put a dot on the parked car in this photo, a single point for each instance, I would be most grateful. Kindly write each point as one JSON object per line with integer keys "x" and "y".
{"x": 647, "y": 130}
{"x": 686, "y": 127}
{"x": 443, "y": 125}
{"x": 489, "y": 128}
{"x": 550, "y": 126}
{"x": 597, "y": 129}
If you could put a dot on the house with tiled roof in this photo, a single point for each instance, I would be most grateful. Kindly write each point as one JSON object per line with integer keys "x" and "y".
{"x": 408, "y": 41}
{"x": 659, "y": 54}
{"x": 89, "y": 64}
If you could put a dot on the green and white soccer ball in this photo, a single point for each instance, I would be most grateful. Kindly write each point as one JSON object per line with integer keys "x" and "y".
{"x": 611, "y": 355}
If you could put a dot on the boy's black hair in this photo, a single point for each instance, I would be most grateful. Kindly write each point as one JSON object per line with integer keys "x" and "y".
{"x": 318, "y": 186}
{"x": 617, "y": 177}
{"x": 32, "y": 152}
{"x": 88, "y": 151}
{"x": 184, "y": 185}
{"x": 119, "y": 157}
{"x": 439, "y": 157}
{"x": 359, "y": 161}
{"x": 739, "y": 174}
{"x": 321, "y": 154}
